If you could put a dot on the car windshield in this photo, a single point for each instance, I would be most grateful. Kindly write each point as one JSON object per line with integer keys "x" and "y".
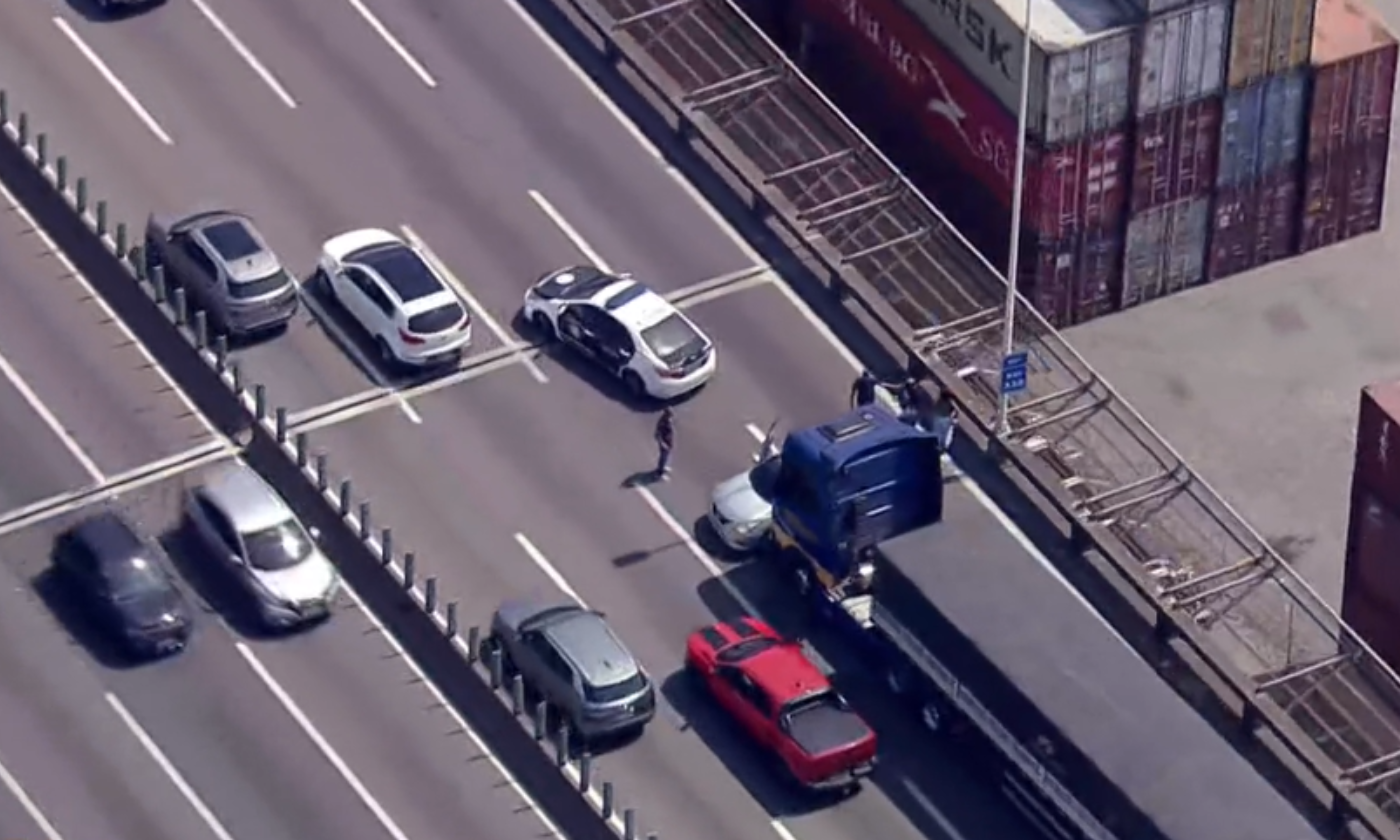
{"x": 673, "y": 339}
{"x": 616, "y": 691}
{"x": 279, "y": 547}
{"x": 745, "y": 649}
{"x": 137, "y": 579}
{"x": 436, "y": 320}
{"x": 259, "y": 286}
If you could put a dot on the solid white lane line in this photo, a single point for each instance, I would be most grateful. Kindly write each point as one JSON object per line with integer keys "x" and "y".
{"x": 550, "y": 829}
{"x": 347, "y": 344}
{"x": 28, "y": 804}
{"x": 244, "y": 53}
{"x": 386, "y": 821}
{"x": 88, "y": 465}
{"x": 111, "y": 78}
{"x": 700, "y": 554}
{"x": 755, "y": 432}
{"x": 383, "y": 31}
{"x": 168, "y": 767}
{"x": 568, "y": 230}
{"x": 106, "y": 309}
{"x": 548, "y": 568}
{"x": 506, "y": 339}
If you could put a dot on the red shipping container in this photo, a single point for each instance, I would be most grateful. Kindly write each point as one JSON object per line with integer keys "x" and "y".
{"x": 1344, "y": 194}
{"x": 1378, "y": 442}
{"x": 1232, "y": 231}
{"x": 1177, "y": 151}
{"x": 1078, "y": 186}
{"x": 1371, "y": 580}
{"x": 1075, "y": 279}
{"x": 1353, "y": 60}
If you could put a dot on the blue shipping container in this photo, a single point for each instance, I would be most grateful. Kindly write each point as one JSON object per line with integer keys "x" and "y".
{"x": 1262, "y": 128}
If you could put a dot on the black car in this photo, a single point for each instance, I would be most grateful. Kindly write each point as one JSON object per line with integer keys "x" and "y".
{"x": 120, "y": 577}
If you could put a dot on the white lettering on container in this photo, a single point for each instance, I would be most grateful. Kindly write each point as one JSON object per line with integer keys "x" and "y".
{"x": 925, "y": 77}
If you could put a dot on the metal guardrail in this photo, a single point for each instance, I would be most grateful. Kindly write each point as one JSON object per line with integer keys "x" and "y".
{"x": 1214, "y": 581}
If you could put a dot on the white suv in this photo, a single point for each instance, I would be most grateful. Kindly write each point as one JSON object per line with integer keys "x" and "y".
{"x": 409, "y": 311}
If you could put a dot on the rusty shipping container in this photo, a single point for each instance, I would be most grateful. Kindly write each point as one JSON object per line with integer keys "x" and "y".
{"x": 1262, "y": 128}
{"x": 1165, "y": 251}
{"x": 1344, "y": 194}
{"x": 1182, "y": 57}
{"x": 1254, "y": 223}
{"x": 1080, "y": 185}
{"x": 1371, "y": 576}
{"x": 1269, "y": 38}
{"x": 1377, "y": 465}
{"x": 1073, "y": 280}
{"x": 1081, "y": 56}
{"x": 1176, "y": 153}
{"x": 1353, "y": 65}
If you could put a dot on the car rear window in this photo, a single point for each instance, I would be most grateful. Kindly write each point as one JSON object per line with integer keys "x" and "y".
{"x": 673, "y": 339}
{"x": 232, "y": 240}
{"x": 616, "y": 691}
{"x": 260, "y": 286}
{"x": 437, "y": 320}
{"x": 404, "y": 271}
{"x": 745, "y": 649}
{"x": 135, "y": 579}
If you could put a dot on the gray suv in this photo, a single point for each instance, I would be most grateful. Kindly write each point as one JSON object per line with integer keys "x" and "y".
{"x": 570, "y": 657}
{"x": 227, "y": 269}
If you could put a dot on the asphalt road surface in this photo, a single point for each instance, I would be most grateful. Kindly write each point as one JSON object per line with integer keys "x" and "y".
{"x": 462, "y": 130}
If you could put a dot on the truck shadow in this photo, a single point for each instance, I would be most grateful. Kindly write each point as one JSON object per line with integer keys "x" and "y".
{"x": 935, "y": 781}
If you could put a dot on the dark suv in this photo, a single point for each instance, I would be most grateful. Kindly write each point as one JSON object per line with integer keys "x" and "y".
{"x": 227, "y": 269}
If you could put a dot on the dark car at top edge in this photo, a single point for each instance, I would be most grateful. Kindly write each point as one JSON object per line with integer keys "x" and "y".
{"x": 121, "y": 578}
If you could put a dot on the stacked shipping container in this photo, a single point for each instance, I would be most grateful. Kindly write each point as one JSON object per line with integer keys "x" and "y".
{"x": 1166, "y": 140}
{"x": 1371, "y": 581}
{"x": 1353, "y": 67}
{"x": 958, "y": 67}
{"x": 1181, "y": 70}
{"x": 1256, "y": 200}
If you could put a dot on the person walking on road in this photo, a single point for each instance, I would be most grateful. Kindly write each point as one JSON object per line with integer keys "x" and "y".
{"x": 863, "y": 390}
{"x": 665, "y": 441}
{"x": 945, "y": 419}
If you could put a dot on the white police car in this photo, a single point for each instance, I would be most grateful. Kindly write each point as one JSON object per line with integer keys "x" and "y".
{"x": 629, "y": 330}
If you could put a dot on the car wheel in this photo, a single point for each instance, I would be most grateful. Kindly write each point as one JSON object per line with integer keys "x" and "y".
{"x": 634, "y": 385}
{"x": 542, "y": 325}
{"x": 386, "y": 353}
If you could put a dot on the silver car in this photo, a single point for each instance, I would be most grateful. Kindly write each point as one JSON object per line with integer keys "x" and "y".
{"x": 739, "y": 516}
{"x": 248, "y": 527}
{"x": 222, "y": 262}
{"x": 571, "y": 658}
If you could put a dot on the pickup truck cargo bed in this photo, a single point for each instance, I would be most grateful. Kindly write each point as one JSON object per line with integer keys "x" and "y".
{"x": 1069, "y": 688}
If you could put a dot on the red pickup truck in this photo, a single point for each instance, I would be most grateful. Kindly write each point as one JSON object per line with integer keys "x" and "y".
{"x": 783, "y": 701}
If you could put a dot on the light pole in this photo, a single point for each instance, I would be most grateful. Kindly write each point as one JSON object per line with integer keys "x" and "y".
{"x": 1013, "y": 266}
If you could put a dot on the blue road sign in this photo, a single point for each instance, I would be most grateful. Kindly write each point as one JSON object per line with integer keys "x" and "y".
{"x": 1014, "y": 372}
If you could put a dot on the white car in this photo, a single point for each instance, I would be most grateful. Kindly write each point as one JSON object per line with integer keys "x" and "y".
{"x": 392, "y": 291}
{"x": 739, "y": 516}
{"x": 624, "y": 327}
{"x": 251, "y": 531}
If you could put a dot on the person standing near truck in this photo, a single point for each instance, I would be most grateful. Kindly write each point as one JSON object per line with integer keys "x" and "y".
{"x": 665, "y": 435}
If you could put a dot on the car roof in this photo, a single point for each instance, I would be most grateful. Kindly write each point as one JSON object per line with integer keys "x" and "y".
{"x": 580, "y": 282}
{"x": 233, "y": 240}
{"x": 784, "y": 673}
{"x": 247, "y": 500}
{"x": 401, "y": 268}
{"x": 635, "y": 305}
{"x": 111, "y": 537}
{"x": 586, "y": 640}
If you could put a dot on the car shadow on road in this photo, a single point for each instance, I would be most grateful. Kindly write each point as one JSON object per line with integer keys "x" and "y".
{"x": 705, "y": 536}
{"x": 67, "y": 606}
{"x": 761, "y": 774}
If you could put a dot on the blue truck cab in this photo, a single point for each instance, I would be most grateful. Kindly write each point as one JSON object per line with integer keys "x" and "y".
{"x": 840, "y": 489}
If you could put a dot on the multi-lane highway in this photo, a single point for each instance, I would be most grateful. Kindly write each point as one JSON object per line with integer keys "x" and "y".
{"x": 330, "y": 734}
{"x": 462, "y": 129}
